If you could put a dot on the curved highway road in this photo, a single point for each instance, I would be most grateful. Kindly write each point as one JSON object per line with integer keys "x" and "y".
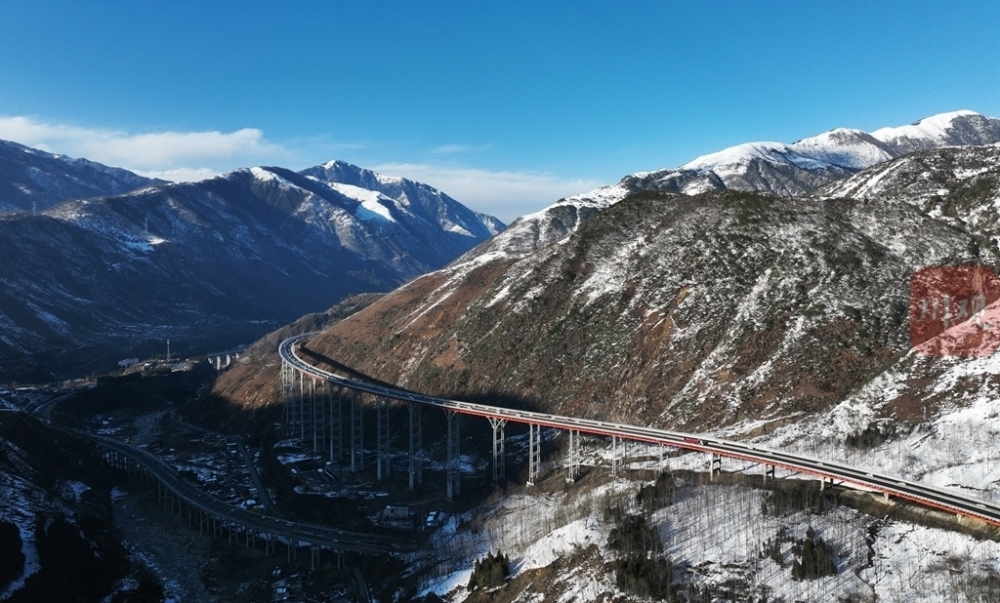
{"x": 893, "y": 486}
{"x": 290, "y": 531}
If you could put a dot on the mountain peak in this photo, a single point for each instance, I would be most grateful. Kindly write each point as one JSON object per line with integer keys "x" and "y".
{"x": 954, "y": 128}
{"x": 797, "y": 168}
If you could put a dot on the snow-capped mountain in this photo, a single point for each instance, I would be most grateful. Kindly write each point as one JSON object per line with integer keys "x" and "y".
{"x": 797, "y": 168}
{"x": 770, "y": 167}
{"x": 212, "y": 263}
{"x": 554, "y": 223}
{"x": 430, "y": 204}
{"x": 33, "y": 180}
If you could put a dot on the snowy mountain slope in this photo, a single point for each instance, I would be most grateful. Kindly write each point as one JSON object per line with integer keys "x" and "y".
{"x": 958, "y": 128}
{"x": 960, "y": 185}
{"x": 554, "y": 223}
{"x": 795, "y": 169}
{"x": 205, "y": 264}
{"x": 771, "y": 167}
{"x": 430, "y": 204}
{"x": 668, "y": 310}
{"x": 35, "y": 180}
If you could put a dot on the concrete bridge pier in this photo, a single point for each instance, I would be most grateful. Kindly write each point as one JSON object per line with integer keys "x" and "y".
{"x": 454, "y": 473}
{"x": 499, "y": 465}
{"x": 313, "y": 557}
{"x": 416, "y": 445}
{"x": 382, "y": 429}
{"x": 768, "y": 471}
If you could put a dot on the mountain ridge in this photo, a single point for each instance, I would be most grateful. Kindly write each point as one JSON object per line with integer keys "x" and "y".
{"x": 771, "y": 167}
{"x": 35, "y": 180}
{"x": 211, "y": 263}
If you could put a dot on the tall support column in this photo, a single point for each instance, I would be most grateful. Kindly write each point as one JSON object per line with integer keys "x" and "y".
{"x": 716, "y": 466}
{"x": 617, "y": 455}
{"x": 573, "y": 456}
{"x": 454, "y": 474}
{"x": 313, "y": 423}
{"x": 323, "y": 400}
{"x": 534, "y": 452}
{"x": 499, "y": 465}
{"x": 382, "y": 427}
{"x": 287, "y": 388}
{"x": 336, "y": 445}
{"x": 357, "y": 433}
{"x": 302, "y": 407}
{"x": 768, "y": 471}
{"x": 416, "y": 444}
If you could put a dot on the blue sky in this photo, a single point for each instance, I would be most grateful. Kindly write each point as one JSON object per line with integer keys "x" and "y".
{"x": 505, "y": 106}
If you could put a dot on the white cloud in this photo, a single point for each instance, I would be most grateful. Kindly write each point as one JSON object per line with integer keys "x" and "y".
{"x": 194, "y": 156}
{"x": 454, "y": 149}
{"x": 180, "y": 174}
{"x": 504, "y": 194}
{"x": 154, "y": 152}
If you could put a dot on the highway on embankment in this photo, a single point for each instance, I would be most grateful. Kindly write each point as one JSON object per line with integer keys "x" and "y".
{"x": 917, "y": 492}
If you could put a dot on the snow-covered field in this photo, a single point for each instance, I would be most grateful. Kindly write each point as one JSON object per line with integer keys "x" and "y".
{"x": 721, "y": 536}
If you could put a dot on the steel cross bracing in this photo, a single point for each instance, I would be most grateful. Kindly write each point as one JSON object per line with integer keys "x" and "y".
{"x": 382, "y": 424}
{"x": 313, "y": 419}
{"x": 917, "y": 492}
{"x": 336, "y": 444}
{"x": 416, "y": 445}
{"x": 573, "y": 456}
{"x": 454, "y": 456}
{"x": 617, "y": 455}
{"x": 357, "y": 433}
{"x": 534, "y": 452}
{"x": 287, "y": 388}
{"x": 499, "y": 468}
{"x": 302, "y": 406}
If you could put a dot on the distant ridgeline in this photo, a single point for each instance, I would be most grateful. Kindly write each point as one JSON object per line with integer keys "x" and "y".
{"x": 90, "y": 280}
